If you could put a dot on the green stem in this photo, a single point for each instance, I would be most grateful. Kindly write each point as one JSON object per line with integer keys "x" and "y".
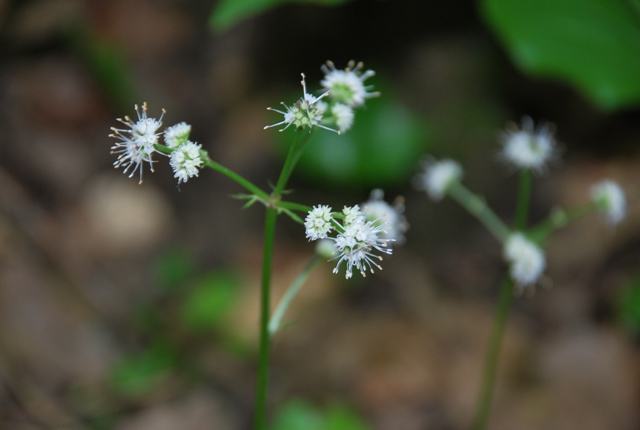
{"x": 204, "y": 155}
{"x": 294, "y": 206}
{"x": 269, "y": 234}
{"x": 293, "y": 289}
{"x": 263, "y": 358}
{"x": 560, "y": 218}
{"x": 524, "y": 197}
{"x": 493, "y": 353}
{"x": 479, "y": 208}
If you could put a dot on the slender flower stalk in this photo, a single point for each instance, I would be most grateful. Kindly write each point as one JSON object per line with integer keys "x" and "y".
{"x": 294, "y": 288}
{"x": 477, "y": 206}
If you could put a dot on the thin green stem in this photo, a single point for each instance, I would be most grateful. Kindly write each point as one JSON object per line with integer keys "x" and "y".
{"x": 295, "y": 150}
{"x": 559, "y": 218}
{"x": 204, "y": 155}
{"x": 269, "y": 234}
{"x": 294, "y": 206}
{"x": 479, "y": 208}
{"x": 524, "y": 197}
{"x": 493, "y": 353}
{"x": 294, "y": 288}
{"x": 263, "y": 359}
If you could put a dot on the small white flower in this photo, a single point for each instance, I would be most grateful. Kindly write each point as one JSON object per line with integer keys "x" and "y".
{"x": 610, "y": 199}
{"x": 343, "y": 116}
{"x": 526, "y": 259}
{"x": 185, "y": 161}
{"x": 136, "y": 144}
{"x": 356, "y": 242}
{"x": 347, "y": 86}
{"x": 438, "y": 176}
{"x": 305, "y": 113}
{"x": 318, "y": 222}
{"x": 177, "y": 135}
{"x": 528, "y": 147}
{"x": 381, "y": 212}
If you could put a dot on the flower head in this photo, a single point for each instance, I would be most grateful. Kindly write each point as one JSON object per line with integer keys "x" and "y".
{"x": 305, "y": 113}
{"x": 343, "y": 116}
{"x": 177, "y": 135}
{"x": 528, "y": 147}
{"x": 356, "y": 242}
{"x": 381, "y": 212}
{"x": 347, "y": 86}
{"x": 526, "y": 259}
{"x": 438, "y": 177}
{"x": 185, "y": 161}
{"x": 610, "y": 199}
{"x": 318, "y": 222}
{"x": 137, "y": 143}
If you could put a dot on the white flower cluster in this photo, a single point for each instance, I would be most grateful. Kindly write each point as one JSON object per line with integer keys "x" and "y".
{"x": 345, "y": 90}
{"x": 381, "y": 212}
{"x": 137, "y": 144}
{"x": 610, "y": 199}
{"x": 528, "y": 147}
{"x": 356, "y": 240}
{"x": 526, "y": 259}
{"x": 437, "y": 177}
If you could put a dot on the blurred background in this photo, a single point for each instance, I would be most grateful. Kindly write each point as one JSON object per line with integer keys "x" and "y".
{"x": 135, "y": 307}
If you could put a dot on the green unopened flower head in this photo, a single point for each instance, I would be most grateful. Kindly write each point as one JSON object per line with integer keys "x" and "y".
{"x": 305, "y": 113}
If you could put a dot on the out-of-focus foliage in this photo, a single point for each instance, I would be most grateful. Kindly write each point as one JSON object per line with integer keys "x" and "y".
{"x": 209, "y": 301}
{"x": 385, "y": 139}
{"x": 137, "y": 375}
{"x": 297, "y": 414}
{"x": 628, "y": 309}
{"x": 230, "y": 12}
{"x": 593, "y": 44}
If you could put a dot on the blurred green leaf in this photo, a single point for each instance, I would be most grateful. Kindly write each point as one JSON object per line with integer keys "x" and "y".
{"x": 341, "y": 417}
{"x": 629, "y": 306}
{"x": 380, "y": 150}
{"x": 135, "y": 376}
{"x": 296, "y": 415}
{"x": 209, "y": 301}
{"x": 230, "y": 12}
{"x": 593, "y": 44}
{"x": 173, "y": 268}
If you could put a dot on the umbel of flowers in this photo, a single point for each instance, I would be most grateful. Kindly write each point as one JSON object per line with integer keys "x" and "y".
{"x": 526, "y": 149}
{"x": 343, "y": 91}
{"x": 140, "y": 140}
{"x": 358, "y": 234}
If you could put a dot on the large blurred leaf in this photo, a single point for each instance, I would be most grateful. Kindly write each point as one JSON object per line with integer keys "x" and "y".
{"x": 380, "y": 150}
{"x": 593, "y": 44}
{"x": 229, "y": 12}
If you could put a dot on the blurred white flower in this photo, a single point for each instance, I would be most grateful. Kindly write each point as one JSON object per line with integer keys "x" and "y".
{"x": 610, "y": 199}
{"x": 438, "y": 176}
{"x": 528, "y": 147}
{"x": 382, "y": 213}
{"x": 347, "y": 86}
{"x": 343, "y": 116}
{"x": 526, "y": 259}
